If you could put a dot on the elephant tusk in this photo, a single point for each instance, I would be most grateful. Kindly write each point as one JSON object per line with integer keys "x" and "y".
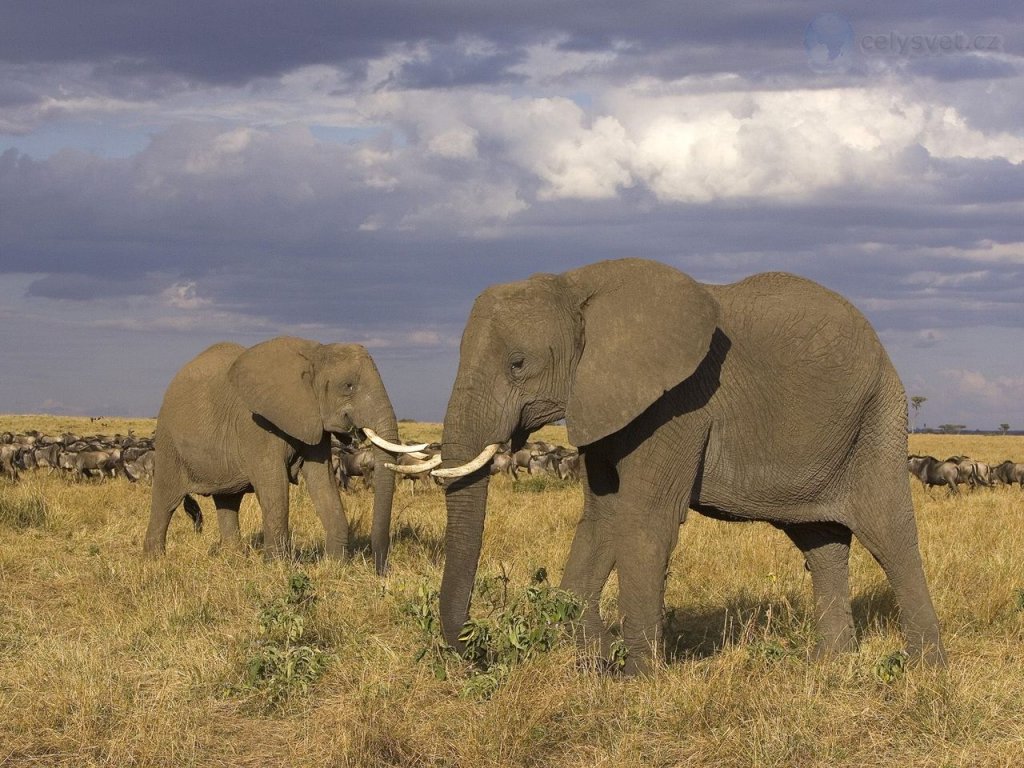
{"x": 485, "y": 455}
{"x": 414, "y": 469}
{"x": 380, "y": 442}
{"x": 420, "y": 455}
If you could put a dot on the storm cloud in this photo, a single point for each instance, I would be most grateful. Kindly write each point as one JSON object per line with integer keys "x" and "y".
{"x": 172, "y": 174}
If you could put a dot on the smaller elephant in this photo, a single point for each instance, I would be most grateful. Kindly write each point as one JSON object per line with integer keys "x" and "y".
{"x": 237, "y": 420}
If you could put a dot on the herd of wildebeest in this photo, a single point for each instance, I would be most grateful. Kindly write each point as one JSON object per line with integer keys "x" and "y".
{"x": 97, "y": 456}
{"x": 132, "y": 457}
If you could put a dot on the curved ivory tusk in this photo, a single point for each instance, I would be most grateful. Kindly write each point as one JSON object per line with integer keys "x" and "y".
{"x": 485, "y": 455}
{"x": 380, "y": 442}
{"x": 414, "y": 469}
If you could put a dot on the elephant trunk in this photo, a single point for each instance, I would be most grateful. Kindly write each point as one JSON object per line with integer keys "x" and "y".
{"x": 386, "y": 425}
{"x": 466, "y": 502}
{"x": 467, "y": 430}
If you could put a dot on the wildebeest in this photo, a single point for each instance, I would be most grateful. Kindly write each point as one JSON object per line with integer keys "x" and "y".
{"x": 569, "y": 467}
{"x": 1008, "y": 473}
{"x": 503, "y": 463}
{"x": 8, "y": 456}
{"x": 970, "y": 472}
{"x": 83, "y": 463}
{"x": 930, "y": 471}
{"x": 353, "y": 462}
{"x": 141, "y": 466}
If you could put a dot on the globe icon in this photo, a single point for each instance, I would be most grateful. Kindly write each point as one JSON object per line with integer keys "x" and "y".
{"x": 828, "y": 41}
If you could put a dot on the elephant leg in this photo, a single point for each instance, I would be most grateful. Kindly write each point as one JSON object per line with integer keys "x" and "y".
{"x": 892, "y": 541}
{"x": 826, "y": 549}
{"x": 272, "y": 493}
{"x": 227, "y": 519}
{"x": 168, "y": 493}
{"x": 644, "y": 544}
{"x": 591, "y": 559}
{"x": 323, "y": 490}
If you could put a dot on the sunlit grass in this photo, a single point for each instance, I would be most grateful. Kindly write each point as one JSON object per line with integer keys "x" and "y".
{"x": 110, "y": 659}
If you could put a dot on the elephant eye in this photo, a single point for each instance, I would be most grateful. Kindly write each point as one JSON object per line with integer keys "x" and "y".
{"x": 516, "y": 366}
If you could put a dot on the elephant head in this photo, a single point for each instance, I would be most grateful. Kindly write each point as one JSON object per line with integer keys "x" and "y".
{"x": 595, "y": 346}
{"x": 305, "y": 389}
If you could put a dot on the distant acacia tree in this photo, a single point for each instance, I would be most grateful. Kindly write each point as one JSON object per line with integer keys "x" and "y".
{"x": 916, "y": 402}
{"x": 952, "y": 429}
{"x": 1004, "y": 428}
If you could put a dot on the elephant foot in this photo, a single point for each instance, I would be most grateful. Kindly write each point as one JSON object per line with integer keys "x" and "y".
{"x": 154, "y": 549}
{"x": 229, "y": 547}
{"x": 929, "y": 654}
{"x": 844, "y": 641}
{"x": 638, "y": 665}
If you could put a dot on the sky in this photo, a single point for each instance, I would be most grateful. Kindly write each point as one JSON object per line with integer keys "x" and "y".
{"x": 179, "y": 172}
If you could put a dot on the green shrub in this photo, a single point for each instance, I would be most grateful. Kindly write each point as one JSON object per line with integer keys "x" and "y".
{"x": 519, "y": 624}
{"x": 284, "y": 661}
{"x": 891, "y": 668}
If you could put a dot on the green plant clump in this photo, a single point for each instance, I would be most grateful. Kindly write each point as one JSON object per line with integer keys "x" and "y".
{"x": 284, "y": 661}
{"x": 518, "y": 625}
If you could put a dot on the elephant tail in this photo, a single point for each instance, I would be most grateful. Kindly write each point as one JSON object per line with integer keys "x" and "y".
{"x": 194, "y": 512}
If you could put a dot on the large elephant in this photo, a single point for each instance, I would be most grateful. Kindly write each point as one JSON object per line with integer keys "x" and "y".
{"x": 769, "y": 399}
{"x": 236, "y": 420}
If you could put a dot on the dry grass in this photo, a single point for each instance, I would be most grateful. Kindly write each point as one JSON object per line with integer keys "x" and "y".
{"x": 109, "y": 659}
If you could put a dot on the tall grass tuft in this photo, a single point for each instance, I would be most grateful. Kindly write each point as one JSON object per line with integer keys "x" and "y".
{"x": 19, "y": 511}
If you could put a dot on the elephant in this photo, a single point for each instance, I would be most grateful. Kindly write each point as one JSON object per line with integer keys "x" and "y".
{"x": 237, "y": 420}
{"x": 770, "y": 399}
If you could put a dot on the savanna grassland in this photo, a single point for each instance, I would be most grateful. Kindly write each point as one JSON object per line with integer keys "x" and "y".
{"x": 199, "y": 658}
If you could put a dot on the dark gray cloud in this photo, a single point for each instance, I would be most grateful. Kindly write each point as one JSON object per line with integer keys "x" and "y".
{"x": 85, "y": 287}
{"x": 448, "y": 66}
{"x": 239, "y": 40}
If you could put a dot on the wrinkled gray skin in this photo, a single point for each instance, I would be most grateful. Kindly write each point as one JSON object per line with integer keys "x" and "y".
{"x": 769, "y": 399}
{"x": 237, "y": 420}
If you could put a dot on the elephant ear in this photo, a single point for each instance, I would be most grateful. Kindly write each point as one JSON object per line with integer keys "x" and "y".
{"x": 646, "y": 328}
{"x": 275, "y": 380}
